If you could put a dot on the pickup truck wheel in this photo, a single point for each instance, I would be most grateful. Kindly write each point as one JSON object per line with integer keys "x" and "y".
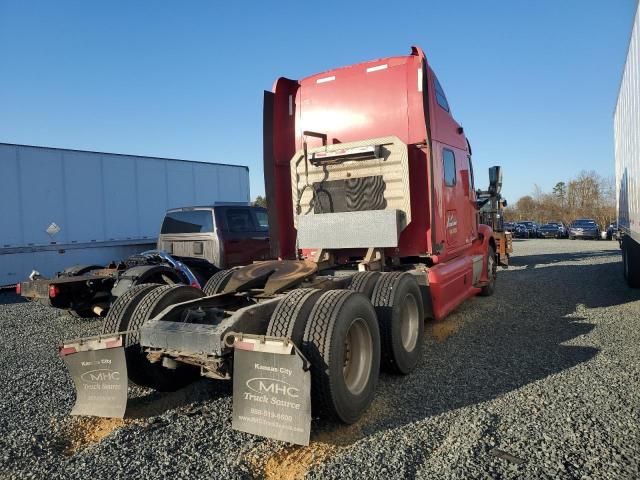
{"x": 118, "y": 316}
{"x": 217, "y": 282}
{"x": 400, "y": 311}
{"x": 140, "y": 370}
{"x": 342, "y": 343}
{"x": 492, "y": 273}
{"x": 364, "y": 282}
{"x": 290, "y": 316}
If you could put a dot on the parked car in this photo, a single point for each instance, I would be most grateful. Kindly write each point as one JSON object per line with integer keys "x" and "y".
{"x": 584, "y": 228}
{"x": 531, "y": 229}
{"x": 520, "y": 231}
{"x": 508, "y": 226}
{"x": 551, "y": 230}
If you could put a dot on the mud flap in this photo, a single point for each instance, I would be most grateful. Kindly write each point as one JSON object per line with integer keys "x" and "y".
{"x": 271, "y": 389}
{"x": 99, "y": 370}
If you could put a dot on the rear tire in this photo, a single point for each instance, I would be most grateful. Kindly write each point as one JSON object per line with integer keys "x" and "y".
{"x": 217, "y": 282}
{"x": 342, "y": 343}
{"x": 492, "y": 273}
{"x": 289, "y": 319}
{"x": 364, "y": 282}
{"x": 141, "y": 371}
{"x": 400, "y": 311}
{"x": 122, "y": 309}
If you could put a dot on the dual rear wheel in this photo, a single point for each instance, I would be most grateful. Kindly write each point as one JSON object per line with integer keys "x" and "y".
{"x": 347, "y": 335}
{"x": 129, "y": 312}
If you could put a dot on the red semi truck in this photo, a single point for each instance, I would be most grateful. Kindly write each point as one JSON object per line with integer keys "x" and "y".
{"x": 373, "y": 215}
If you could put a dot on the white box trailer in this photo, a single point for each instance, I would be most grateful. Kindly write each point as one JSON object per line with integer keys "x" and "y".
{"x": 627, "y": 154}
{"x": 62, "y": 207}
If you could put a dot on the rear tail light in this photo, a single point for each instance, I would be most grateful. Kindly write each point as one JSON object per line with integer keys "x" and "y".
{"x": 53, "y": 291}
{"x": 18, "y": 288}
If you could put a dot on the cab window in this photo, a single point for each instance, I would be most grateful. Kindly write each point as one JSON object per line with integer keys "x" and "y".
{"x": 441, "y": 98}
{"x": 262, "y": 220}
{"x": 449, "y": 164}
{"x": 187, "y": 221}
{"x": 239, "y": 220}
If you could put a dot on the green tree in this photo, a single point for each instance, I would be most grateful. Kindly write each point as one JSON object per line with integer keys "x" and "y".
{"x": 260, "y": 201}
{"x": 560, "y": 192}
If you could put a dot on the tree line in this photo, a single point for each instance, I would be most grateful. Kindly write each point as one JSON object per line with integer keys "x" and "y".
{"x": 589, "y": 195}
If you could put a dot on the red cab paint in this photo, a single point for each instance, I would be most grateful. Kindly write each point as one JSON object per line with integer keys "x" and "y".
{"x": 399, "y": 96}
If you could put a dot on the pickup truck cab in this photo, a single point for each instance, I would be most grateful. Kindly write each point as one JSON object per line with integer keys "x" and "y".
{"x": 225, "y": 235}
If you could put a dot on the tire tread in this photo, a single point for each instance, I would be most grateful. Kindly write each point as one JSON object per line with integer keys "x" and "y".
{"x": 318, "y": 333}
{"x": 285, "y": 317}
{"x": 217, "y": 282}
{"x": 383, "y": 298}
{"x": 114, "y": 318}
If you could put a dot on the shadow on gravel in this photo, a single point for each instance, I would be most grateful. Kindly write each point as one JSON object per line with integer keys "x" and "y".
{"x": 530, "y": 261}
{"x": 8, "y": 297}
{"x": 492, "y": 346}
{"x": 156, "y": 403}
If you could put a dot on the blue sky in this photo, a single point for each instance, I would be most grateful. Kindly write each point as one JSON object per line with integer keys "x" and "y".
{"x": 534, "y": 83}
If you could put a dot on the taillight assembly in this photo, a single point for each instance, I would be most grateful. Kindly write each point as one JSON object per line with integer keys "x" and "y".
{"x": 18, "y": 288}
{"x": 53, "y": 291}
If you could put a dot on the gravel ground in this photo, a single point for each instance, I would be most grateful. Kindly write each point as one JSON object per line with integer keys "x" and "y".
{"x": 542, "y": 380}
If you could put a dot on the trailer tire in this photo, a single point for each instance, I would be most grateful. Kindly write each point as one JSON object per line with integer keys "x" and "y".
{"x": 140, "y": 370}
{"x": 124, "y": 306}
{"x": 492, "y": 272}
{"x": 289, "y": 319}
{"x": 217, "y": 282}
{"x": 398, "y": 303}
{"x": 364, "y": 282}
{"x": 342, "y": 343}
{"x": 631, "y": 262}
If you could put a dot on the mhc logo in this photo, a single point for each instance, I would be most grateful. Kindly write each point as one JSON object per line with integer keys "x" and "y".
{"x": 101, "y": 375}
{"x": 272, "y": 386}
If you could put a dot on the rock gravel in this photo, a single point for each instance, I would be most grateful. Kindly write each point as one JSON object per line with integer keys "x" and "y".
{"x": 542, "y": 380}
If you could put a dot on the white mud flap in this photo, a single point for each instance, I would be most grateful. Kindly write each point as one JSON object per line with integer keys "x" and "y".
{"x": 99, "y": 371}
{"x": 271, "y": 389}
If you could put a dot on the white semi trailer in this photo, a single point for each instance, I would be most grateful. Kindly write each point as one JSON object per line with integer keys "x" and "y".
{"x": 63, "y": 207}
{"x": 627, "y": 154}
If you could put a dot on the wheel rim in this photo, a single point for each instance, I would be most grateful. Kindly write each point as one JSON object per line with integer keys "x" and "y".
{"x": 358, "y": 356}
{"x": 409, "y": 323}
